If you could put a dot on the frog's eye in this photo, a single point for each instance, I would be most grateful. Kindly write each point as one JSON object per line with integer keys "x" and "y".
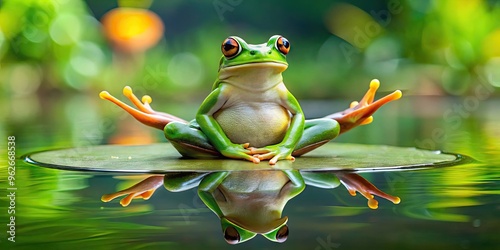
{"x": 283, "y": 45}
{"x": 282, "y": 234}
{"x": 231, "y": 235}
{"x": 230, "y": 48}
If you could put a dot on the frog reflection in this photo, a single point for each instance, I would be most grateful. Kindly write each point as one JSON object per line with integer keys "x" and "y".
{"x": 251, "y": 202}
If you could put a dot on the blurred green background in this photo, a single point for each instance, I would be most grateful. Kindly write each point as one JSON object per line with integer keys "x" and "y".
{"x": 53, "y": 52}
{"x": 422, "y": 47}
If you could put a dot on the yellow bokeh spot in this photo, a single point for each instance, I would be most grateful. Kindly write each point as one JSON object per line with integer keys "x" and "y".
{"x": 132, "y": 26}
{"x": 352, "y": 24}
{"x": 490, "y": 44}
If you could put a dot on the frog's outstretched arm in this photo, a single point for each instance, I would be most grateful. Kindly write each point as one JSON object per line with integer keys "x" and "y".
{"x": 143, "y": 189}
{"x": 354, "y": 182}
{"x": 360, "y": 113}
{"x": 144, "y": 113}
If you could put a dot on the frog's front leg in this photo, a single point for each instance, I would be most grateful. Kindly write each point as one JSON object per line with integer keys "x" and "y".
{"x": 143, "y": 189}
{"x": 213, "y": 132}
{"x": 360, "y": 113}
{"x": 144, "y": 113}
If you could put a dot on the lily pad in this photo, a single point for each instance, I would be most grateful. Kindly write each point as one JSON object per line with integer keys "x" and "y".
{"x": 161, "y": 158}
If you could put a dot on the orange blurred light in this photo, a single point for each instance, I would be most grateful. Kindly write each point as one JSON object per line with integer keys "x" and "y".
{"x": 132, "y": 30}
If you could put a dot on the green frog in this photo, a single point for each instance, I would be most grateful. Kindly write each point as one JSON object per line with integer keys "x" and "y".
{"x": 250, "y": 202}
{"x": 250, "y": 114}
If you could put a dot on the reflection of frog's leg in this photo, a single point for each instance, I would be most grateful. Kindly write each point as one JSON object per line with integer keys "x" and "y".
{"x": 316, "y": 133}
{"x": 143, "y": 189}
{"x": 323, "y": 179}
{"x": 189, "y": 140}
{"x": 353, "y": 182}
{"x": 295, "y": 186}
{"x": 361, "y": 113}
{"x": 207, "y": 187}
{"x": 181, "y": 181}
{"x": 145, "y": 113}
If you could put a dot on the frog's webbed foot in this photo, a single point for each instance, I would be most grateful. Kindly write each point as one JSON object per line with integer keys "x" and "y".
{"x": 144, "y": 189}
{"x": 144, "y": 113}
{"x": 354, "y": 182}
{"x": 272, "y": 153}
{"x": 360, "y": 113}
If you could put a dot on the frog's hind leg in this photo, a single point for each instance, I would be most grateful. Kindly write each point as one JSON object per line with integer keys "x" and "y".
{"x": 360, "y": 113}
{"x": 145, "y": 114}
{"x": 316, "y": 133}
{"x": 189, "y": 140}
{"x": 145, "y": 106}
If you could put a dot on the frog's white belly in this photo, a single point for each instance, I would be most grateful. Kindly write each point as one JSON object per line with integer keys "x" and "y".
{"x": 260, "y": 124}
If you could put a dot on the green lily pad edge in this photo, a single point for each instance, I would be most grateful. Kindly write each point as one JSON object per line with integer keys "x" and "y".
{"x": 162, "y": 158}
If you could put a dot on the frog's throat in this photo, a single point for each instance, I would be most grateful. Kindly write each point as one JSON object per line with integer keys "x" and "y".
{"x": 259, "y": 76}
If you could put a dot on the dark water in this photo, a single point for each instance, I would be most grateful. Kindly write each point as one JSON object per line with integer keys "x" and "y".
{"x": 444, "y": 208}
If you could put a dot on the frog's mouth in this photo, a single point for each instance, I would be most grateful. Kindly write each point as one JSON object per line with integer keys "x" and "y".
{"x": 257, "y": 76}
{"x": 257, "y": 63}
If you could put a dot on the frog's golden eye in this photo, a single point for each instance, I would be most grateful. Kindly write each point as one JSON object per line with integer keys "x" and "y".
{"x": 230, "y": 48}
{"x": 283, "y": 45}
{"x": 231, "y": 235}
{"x": 282, "y": 234}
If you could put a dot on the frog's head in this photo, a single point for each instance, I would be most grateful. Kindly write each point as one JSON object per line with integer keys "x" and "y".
{"x": 253, "y": 67}
{"x": 237, "y": 52}
{"x": 235, "y": 233}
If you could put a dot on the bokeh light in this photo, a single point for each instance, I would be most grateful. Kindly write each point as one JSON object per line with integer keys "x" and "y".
{"x": 132, "y": 29}
{"x": 185, "y": 64}
{"x": 66, "y": 29}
